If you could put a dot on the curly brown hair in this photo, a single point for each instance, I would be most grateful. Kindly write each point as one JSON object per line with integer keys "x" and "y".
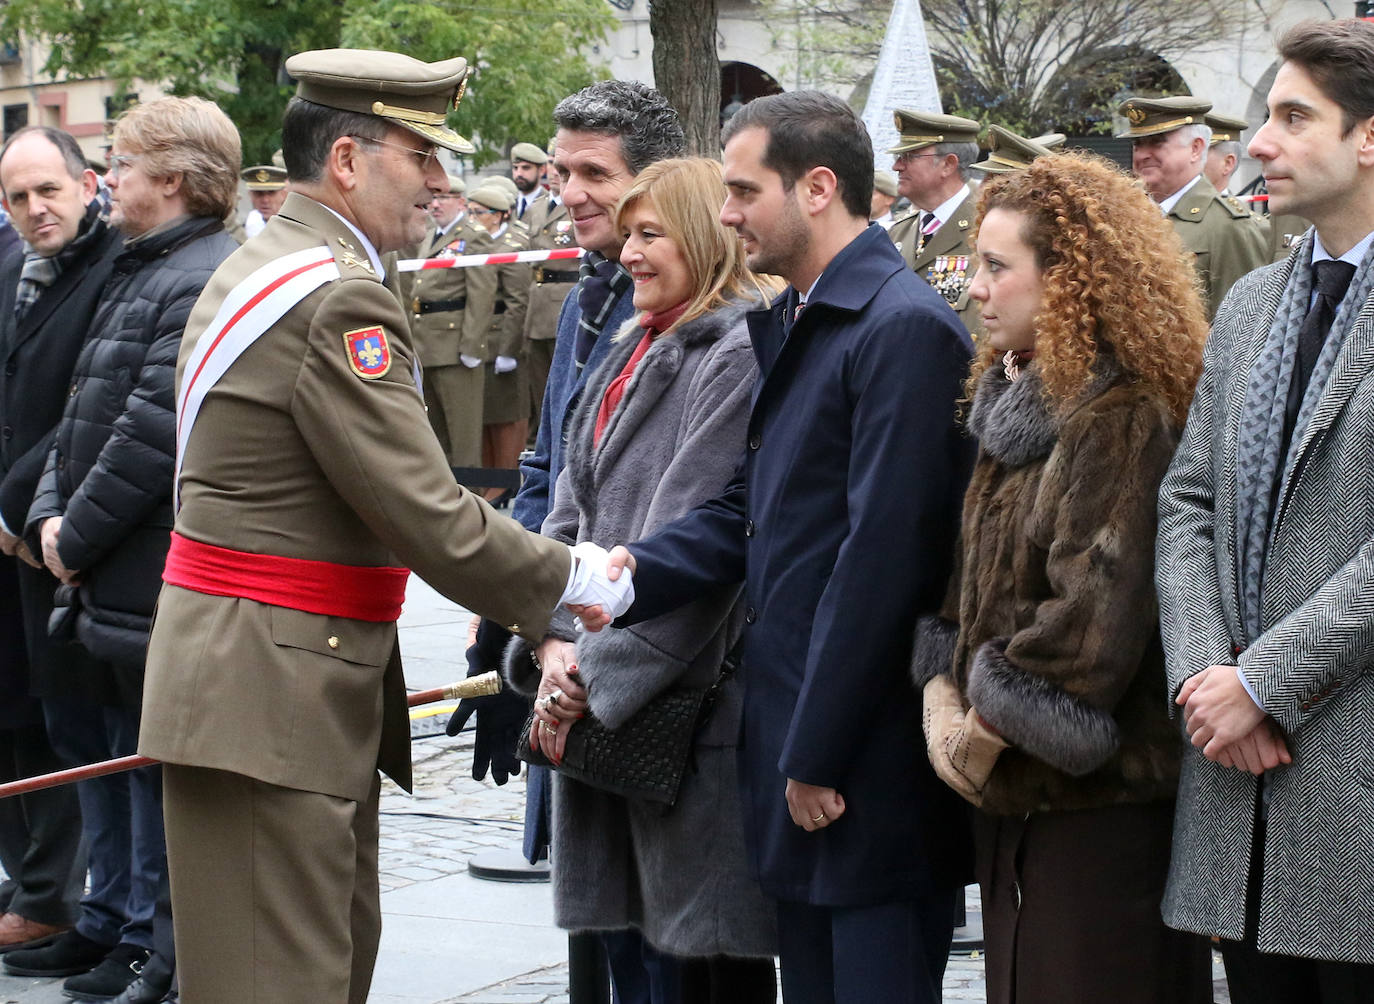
{"x": 1116, "y": 277}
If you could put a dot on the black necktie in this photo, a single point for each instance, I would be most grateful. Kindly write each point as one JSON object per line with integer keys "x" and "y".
{"x": 926, "y": 220}
{"x": 1332, "y": 280}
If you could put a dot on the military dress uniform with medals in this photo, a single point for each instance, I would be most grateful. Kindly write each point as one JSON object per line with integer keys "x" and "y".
{"x": 437, "y": 306}
{"x": 550, "y": 230}
{"x": 309, "y": 483}
{"x": 1226, "y": 240}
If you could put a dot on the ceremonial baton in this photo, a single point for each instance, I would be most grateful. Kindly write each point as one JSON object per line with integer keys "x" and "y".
{"x": 473, "y": 686}
{"x": 473, "y": 260}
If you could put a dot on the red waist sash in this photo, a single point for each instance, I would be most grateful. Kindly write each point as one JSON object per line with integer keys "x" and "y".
{"x": 358, "y": 592}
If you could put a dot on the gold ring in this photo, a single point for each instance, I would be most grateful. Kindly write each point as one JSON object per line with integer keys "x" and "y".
{"x": 817, "y": 819}
{"x": 549, "y": 728}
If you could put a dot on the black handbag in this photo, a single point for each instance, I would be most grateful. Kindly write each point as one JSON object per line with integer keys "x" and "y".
{"x": 647, "y": 757}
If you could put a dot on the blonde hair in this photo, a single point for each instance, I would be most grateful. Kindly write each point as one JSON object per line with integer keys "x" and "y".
{"x": 191, "y": 137}
{"x": 1117, "y": 279}
{"x": 687, "y": 194}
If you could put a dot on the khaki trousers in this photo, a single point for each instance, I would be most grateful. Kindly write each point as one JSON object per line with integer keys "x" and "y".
{"x": 274, "y": 891}
{"x": 453, "y": 396}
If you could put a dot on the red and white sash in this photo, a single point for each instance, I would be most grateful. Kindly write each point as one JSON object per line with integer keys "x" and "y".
{"x": 251, "y": 307}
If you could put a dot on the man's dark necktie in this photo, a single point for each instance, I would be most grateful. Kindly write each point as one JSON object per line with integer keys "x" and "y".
{"x": 1332, "y": 280}
{"x": 926, "y": 220}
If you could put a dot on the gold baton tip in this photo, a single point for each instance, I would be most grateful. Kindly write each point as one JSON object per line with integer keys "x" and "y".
{"x": 474, "y": 686}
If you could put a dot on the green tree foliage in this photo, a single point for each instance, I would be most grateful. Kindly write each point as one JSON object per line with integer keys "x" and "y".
{"x": 526, "y": 56}
{"x": 526, "y": 53}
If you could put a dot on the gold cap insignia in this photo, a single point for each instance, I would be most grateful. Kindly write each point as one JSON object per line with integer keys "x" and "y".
{"x": 1136, "y": 115}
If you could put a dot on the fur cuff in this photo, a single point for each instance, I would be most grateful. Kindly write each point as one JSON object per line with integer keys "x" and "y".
{"x": 1037, "y": 716}
{"x": 519, "y": 669}
{"x": 933, "y": 651}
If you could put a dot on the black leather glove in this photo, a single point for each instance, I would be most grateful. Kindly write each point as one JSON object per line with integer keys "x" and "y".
{"x": 500, "y": 717}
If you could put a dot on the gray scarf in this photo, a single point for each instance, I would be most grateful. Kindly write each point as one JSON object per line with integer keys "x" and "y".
{"x": 1260, "y": 436}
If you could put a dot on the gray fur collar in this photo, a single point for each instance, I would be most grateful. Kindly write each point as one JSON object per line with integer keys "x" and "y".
{"x": 1012, "y": 420}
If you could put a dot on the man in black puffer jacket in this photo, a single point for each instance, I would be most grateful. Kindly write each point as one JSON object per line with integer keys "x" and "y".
{"x": 103, "y": 510}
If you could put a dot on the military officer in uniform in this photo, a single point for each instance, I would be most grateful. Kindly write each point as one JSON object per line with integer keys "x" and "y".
{"x": 550, "y": 230}
{"x": 526, "y": 165}
{"x": 452, "y": 359}
{"x": 1223, "y": 149}
{"x": 1009, "y": 152}
{"x": 309, "y": 483}
{"x": 267, "y": 191}
{"x": 884, "y": 196}
{"x": 498, "y": 297}
{"x": 1168, "y": 149}
{"x": 932, "y": 159}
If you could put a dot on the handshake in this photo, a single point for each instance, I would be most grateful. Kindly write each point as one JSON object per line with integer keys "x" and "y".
{"x": 601, "y": 587}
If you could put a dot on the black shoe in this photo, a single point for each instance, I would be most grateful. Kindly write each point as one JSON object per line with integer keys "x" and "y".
{"x": 112, "y": 977}
{"x": 70, "y": 954}
{"x": 145, "y": 990}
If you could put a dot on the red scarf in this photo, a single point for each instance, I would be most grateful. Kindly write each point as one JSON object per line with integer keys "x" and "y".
{"x": 653, "y": 325}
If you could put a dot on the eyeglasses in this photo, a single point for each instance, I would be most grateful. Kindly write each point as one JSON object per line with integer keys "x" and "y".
{"x": 427, "y": 157}
{"x": 122, "y": 162}
{"x": 910, "y": 155}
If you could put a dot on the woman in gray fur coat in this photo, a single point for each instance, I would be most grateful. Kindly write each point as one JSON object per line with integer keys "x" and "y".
{"x": 1043, "y": 684}
{"x": 659, "y": 428}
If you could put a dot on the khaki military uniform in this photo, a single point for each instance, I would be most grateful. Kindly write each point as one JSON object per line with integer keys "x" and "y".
{"x": 535, "y": 206}
{"x": 1285, "y": 230}
{"x": 437, "y": 304}
{"x": 550, "y": 229}
{"x": 273, "y": 720}
{"x": 946, "y": 259}
{"x": 1227, "y": 241}
{"x": 497, "y": 307}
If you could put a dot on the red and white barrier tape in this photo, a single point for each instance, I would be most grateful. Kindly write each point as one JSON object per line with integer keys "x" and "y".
{"x": 472, "y": 260}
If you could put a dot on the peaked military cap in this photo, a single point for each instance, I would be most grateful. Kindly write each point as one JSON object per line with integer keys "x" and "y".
{"x": 1050, "y": 140}
{"x": 264, "y": 178}
{"x": 921, "y": 129}
{"x": 491, "y": 196}
{"x": 529, "y": 153}
{"x": 1155, "y": 116}
{"x": 884, "y": 182}
{"x": 1225, "y": 128}
{"x": 401, "y": 89}
{"x": 1009, "y": 152}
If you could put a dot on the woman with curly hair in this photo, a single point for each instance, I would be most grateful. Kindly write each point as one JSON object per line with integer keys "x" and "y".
{"x": 1044, "y": 680}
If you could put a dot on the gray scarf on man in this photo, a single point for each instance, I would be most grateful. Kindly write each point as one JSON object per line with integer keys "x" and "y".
{"x": 1260, "y": 440}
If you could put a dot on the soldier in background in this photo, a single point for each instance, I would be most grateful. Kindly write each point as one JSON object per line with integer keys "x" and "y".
{"x": 1223, "y": 150}
{"x": 452, "y": 361}
{"x": 498, "y": 295}
{"x": 1169, "y": 145}
{"x": 526, "y": 165}
{"x": 550, "y": 229}
{"x": 933, "y": 157}
{"x": 884, "y": 195}
{"x": 267, "y": 191}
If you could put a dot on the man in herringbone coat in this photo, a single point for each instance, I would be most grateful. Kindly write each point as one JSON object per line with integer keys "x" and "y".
{"x": 1266, "y": 565}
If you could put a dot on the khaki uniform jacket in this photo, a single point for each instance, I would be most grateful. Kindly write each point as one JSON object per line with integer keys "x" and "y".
{"x": 1226, "y": 240}
{"x": 439, "y": 335}
{"x": 295, "y": 454}
{"x": 946, "y": 260}
{"x": 550, "y": 229}
{"x": 497, "y": 297}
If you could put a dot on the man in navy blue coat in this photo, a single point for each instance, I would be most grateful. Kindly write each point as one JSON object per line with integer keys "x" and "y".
{"x": 841, "y": 523}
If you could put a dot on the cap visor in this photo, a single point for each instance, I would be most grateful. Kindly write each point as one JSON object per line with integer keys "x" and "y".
{"x": 440, "y": 135}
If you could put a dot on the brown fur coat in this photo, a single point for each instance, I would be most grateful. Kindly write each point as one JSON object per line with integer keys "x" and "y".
{"x": 1057, "y": 642}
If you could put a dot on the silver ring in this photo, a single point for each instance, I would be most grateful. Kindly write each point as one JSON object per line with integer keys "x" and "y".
{"x": 554, "y": 695}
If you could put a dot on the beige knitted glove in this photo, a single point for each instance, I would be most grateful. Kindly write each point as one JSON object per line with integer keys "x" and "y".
{"x": 961, "y": 748}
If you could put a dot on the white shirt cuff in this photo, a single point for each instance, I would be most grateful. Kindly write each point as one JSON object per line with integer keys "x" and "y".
{"x": 1249, "y": 689}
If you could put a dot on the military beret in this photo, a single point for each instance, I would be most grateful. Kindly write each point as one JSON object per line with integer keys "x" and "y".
{"x": 264, "y": 178}
{"x": 884, "y": 182}
{"x": 529, "y": 153}
{"x": 505, "y": 184}
{"x": 1009, "y": 152}
{"x": 922, "y": 129}
{"x": 1225, "y": 128}
{"x": 401, "y": 89}
{"x": 489, "y": 195}
{"x": 1155, "y": 116}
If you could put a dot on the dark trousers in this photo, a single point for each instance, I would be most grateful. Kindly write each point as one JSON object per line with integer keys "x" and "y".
{"x": 40, "y": 834}
{"x": 641, "y": 974}
{"x": 1256, "y": 977}
{"x": 121, "y": 820}
{"x": 889, "y": 954}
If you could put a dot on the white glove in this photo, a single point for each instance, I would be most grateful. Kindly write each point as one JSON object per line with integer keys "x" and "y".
{"x": 590, "y": 586}
{"x": 506, "y": 364}
{"x": 471, "y": 362}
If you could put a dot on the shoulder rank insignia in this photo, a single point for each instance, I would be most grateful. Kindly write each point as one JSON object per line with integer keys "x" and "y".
{"x": 368, "y": 352}
{"x": 349, "y": 256}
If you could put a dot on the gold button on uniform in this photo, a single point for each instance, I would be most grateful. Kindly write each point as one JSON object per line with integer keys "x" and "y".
{"x": 333, "y": 641}
{"x": 514, "y": 629}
